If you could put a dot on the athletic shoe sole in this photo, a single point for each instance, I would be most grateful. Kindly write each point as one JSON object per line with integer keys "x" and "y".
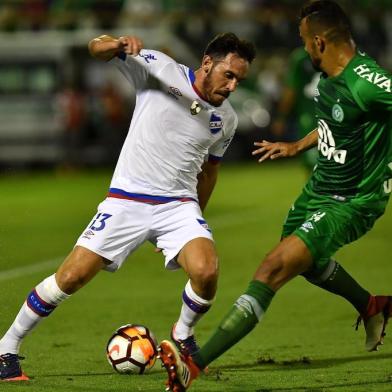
{"x": 23, "y": 377}
{"x": 170, "y": 360}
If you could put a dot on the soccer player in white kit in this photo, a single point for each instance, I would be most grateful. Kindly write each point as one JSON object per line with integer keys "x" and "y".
{"x": 167, "y": 169}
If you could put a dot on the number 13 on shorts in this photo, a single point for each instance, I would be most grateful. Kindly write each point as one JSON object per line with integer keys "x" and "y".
{"x": 99, "y": 222}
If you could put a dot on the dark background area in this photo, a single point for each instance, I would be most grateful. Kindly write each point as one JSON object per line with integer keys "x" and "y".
{"x": 60, "y": 108}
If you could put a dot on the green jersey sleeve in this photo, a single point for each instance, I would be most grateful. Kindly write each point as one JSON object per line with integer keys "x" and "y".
{"x": 373, "y": 88}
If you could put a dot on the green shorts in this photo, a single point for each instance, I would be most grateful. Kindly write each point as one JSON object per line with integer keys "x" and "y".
{"x": 325, "y": 224}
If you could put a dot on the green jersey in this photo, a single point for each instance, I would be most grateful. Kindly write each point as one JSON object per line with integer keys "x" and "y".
{"x": 354, "y": 113}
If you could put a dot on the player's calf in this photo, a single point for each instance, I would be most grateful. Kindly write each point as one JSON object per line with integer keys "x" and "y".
{"x": 375, "y": 320}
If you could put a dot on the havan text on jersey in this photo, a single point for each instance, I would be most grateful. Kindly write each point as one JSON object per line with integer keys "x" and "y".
{"x": 326, "y": 144}
{"x": 376, "y": 78}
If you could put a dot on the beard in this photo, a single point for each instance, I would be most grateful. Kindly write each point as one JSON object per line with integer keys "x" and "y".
{"x": 214, "y": 97}
{"x": 316, "y": 63}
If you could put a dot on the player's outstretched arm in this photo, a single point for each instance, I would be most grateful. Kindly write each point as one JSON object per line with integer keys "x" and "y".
{"x": 106, "y": 47}
{"x": 269, "y": 150}
{"x": 206, "y": 181}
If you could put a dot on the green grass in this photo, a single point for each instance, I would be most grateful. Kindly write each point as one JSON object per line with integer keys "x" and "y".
{"x": 305, "y": 342}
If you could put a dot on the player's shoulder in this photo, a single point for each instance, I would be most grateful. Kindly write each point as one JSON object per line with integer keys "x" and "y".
{"x": 151, "y": 56}
{"x": 365, "y": 73}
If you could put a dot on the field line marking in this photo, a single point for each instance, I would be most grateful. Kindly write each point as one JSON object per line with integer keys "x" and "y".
{"x": 218, "y": 222}
{"x": 29, "y": 269}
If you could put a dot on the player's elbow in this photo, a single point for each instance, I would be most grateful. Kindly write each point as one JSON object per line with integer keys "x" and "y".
{"x": 92, "y": 48}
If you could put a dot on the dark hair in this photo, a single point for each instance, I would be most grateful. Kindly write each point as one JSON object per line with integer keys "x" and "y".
{"x": 328, "y": 17}
{"x": 226, "y": 43}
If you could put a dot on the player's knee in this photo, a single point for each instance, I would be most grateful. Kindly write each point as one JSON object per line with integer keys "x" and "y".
{"x": 273, "y": 270}
{"x": 206, "y": 271}
{"x": 70, "y": 281}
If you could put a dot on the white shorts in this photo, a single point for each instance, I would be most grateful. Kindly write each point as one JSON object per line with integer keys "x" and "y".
{"x": 121, "y": 226}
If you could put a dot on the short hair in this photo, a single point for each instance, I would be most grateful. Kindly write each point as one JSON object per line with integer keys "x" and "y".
{"x": 226, "y": 43}
{"x": 328, "y": 17}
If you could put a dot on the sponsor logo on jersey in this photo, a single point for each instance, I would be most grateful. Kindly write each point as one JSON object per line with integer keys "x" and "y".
{"x": 375, "y": 78}
{"x": 216, "y": 123}
{"x": 195, "y": 108}
{"x": 337, "y": 113}
{"x": 326, "y": 144}
{"x": 388, "y": 183}
{"x": 148, "y": 57}
{"x": 174, "y": 92}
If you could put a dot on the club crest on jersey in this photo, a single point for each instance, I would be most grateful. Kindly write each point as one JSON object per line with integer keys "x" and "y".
{"x": 216, "y": 123}
{"x": 337, "y": 113}
{"x": 195, "y": 108}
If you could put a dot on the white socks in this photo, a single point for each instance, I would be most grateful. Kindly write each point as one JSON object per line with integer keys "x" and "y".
{"x": 193, "y": 308}
{"x": 40, "y": 303}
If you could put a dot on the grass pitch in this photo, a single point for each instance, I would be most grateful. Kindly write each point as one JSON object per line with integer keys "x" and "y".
{"x": 306, "y": 341}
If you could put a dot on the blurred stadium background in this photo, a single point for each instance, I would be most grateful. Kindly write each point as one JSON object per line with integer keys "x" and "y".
{"x": 60, "y": 108}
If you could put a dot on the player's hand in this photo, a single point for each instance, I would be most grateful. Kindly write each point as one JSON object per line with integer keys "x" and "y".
{"x": 270, "y": 150}
{"x": 130, "y": 45}
{"x": 158, "y": 250}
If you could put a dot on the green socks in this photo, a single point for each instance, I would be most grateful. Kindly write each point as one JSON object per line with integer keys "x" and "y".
{"x": 249, "y": 308}
{"x": 336, "y": 280}
{"x": 242, "y": 318}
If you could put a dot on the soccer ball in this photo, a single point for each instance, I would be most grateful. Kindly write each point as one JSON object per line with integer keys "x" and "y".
{"x": 132, "y": 349}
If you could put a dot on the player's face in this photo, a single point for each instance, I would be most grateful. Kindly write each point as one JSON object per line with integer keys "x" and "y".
{"x": 310, "y": 45}
{"x": 222, "y": 77}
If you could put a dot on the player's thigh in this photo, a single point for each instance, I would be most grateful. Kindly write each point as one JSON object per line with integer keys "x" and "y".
{"x": 296, "y": 215}
{"x": 80, "y": 266}
{"x": 176, "y": 225}
{"x": 118, "y": 228}
{"x": 331, "y": 227}
{"x": 288, "y": 259}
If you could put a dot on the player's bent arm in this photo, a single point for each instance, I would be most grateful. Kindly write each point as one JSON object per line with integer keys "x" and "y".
{"x": 206, "y": 182}
{"x": 105, "y": 47}
{"x": 307, "y": 142}
{"x": 276, "y": 150}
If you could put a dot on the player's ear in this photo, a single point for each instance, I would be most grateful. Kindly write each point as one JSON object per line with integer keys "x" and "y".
{"x": 207, "y": 63}
{"x": 320, "y": 43}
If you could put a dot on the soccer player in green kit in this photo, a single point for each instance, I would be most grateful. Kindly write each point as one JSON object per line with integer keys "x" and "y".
{"x": 345, "y": 195}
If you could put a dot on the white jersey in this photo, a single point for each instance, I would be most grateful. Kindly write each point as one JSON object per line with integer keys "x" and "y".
{"x": 172, "y": 132}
